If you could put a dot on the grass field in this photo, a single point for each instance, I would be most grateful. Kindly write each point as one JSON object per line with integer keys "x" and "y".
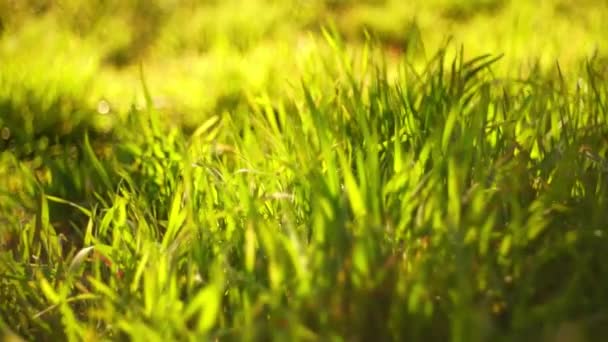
{"x": 303, "y": 170}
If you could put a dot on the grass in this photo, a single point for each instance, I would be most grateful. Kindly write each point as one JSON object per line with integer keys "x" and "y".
{"x": 336, "y": 191}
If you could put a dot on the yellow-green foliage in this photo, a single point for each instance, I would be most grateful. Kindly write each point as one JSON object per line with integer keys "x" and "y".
{"x": 303, "y": 170}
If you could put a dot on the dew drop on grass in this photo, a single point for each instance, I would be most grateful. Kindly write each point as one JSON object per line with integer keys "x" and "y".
{"x": 103, "y": 107}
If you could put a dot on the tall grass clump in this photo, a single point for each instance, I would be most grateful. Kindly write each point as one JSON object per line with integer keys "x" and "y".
{"x": 369, "y": 202}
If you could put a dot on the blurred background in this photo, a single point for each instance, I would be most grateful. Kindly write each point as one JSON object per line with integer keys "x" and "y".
{"x": 205, "y": 56}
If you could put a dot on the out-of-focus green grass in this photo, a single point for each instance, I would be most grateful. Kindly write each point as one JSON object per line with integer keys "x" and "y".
{"x": 202, "y": 55}
{"x": 209, "y": 170}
